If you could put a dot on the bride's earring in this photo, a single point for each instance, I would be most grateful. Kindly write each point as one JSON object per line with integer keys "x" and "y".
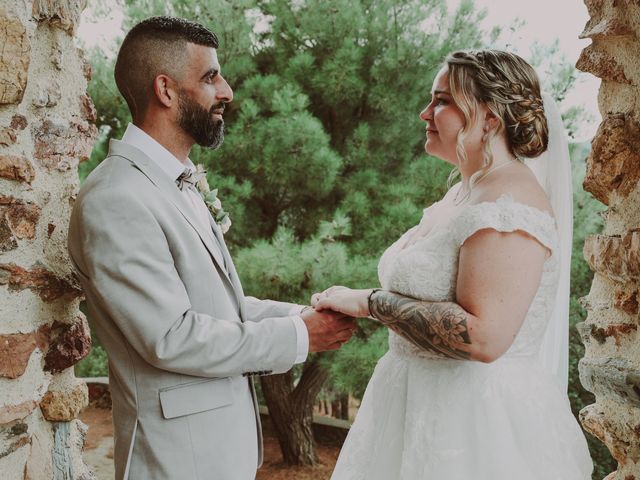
{"x": 485, "y": 136}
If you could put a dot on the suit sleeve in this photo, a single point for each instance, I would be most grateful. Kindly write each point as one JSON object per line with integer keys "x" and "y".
{"x": 257, "y": 309}
{"x": 126, "y": 264}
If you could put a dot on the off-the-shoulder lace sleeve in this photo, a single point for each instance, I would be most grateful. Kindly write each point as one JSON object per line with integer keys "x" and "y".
{"x": 507, "y": 215}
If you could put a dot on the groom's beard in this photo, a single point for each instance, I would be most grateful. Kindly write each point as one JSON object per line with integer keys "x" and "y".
{"x": 199, "y": 122}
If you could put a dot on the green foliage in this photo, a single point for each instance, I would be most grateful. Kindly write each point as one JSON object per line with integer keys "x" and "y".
{"x": 96, "y": 364}
{"x": 287, "y": 269}
{"x": 351, "y": 367}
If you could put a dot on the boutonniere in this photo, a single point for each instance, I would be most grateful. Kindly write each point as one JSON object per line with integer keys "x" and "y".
{"x": 211, "y": 199}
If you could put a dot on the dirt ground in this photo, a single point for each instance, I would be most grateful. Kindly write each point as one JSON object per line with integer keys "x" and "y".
{"x": 98, "y": 453}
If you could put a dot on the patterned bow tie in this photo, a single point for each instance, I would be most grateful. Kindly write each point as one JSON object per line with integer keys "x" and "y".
{"x": 189, "y": 178}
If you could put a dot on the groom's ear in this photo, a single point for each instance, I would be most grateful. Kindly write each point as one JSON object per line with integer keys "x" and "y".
{"x": 165, "y": 91}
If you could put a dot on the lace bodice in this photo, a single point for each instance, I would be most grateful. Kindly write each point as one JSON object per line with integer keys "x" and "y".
{"x": 427, "y": 269}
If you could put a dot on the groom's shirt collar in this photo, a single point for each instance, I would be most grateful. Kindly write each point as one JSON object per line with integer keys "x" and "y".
{"x": 162, "y": 157}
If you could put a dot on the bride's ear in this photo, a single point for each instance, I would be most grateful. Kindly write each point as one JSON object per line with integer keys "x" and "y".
{"x": 491, "y": 121}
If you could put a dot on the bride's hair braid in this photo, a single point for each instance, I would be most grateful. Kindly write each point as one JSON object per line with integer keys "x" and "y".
{"x": 510, "y": 88}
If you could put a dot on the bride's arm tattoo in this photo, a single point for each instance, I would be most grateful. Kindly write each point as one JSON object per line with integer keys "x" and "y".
{"x": 440, "y": 327}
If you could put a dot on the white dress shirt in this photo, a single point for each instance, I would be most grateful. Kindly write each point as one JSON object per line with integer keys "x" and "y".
{"x": 173, "y": 167}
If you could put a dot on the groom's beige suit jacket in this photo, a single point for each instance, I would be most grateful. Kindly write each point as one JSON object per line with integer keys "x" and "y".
{"x": 182, "y": 339}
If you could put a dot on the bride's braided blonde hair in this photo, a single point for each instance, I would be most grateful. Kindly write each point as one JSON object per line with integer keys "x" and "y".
{"x": 510, "y": 89}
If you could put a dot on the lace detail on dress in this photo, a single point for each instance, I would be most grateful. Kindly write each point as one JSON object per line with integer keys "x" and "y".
{"x": 428, "y": 269}
{"x": 507, "y": 215}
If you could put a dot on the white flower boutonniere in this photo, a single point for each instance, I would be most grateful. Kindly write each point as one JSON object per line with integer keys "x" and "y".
{"x": 211, "y": 199}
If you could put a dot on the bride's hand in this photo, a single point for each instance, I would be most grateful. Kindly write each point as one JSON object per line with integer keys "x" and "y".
{"x": 354, "y": 303}
{"x": 315, "y": 298}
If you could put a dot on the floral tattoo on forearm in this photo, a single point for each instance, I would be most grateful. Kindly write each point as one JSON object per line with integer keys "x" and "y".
{"x": 439, "y": 327}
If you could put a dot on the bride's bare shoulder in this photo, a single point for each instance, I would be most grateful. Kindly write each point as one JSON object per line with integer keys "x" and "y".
{"x": 520, "y": 184}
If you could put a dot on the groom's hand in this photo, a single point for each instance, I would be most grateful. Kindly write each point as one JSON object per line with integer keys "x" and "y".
{"x": 327, "y": 330}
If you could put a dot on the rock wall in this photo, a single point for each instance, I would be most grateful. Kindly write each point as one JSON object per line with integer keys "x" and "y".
{"x": 46, "y": 128}
{"x": 611, "y": 365}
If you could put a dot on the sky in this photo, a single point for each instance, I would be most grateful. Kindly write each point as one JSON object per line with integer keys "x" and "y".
{"x": 545, "y": 20}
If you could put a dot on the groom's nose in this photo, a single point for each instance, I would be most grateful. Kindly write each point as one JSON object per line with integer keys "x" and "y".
{"x": 224, "y": 93}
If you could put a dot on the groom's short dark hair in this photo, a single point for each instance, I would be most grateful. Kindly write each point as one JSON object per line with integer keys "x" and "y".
{"x": 155, "y": 46}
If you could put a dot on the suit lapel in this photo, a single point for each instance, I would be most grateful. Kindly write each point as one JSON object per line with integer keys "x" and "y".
{"x": 233, "y": 275}
{"x": 170, "y": 192}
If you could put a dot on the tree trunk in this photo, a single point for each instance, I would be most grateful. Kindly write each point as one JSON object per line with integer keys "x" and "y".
{"x": 335, "y": 408}
{"x": 344, "y": 406}
{"x": 291, "y": 411}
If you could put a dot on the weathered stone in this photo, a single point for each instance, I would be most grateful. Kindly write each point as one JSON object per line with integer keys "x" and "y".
{"x": 57, "y": 56}
{"x": 617, "y": 331}
{"x": 49, "y": 95}
{"x": 50, "y": 229}
{"x": 87, "y": 69}
{"x": 44, "y": 282}
{"x": 614, "y": 377}
{"x": 13, "y": 437}
{"x": 61, "y": 455}
{"x": 606, "y": 27}
{"x": 14, "y": 59}
{"x": 18, "y": 122}
{"x": 68, "y": 344}
{"x": 7, "y": 238}
{"x": 628, "y": 302}
{"x": 64, "y": 14}
{"x": 60, "y": 145}
{"x": 617, "y": 258}
{"x": 39, "y": 463}
{"x": 614, "y": 161}
{"x": 594, "y": 420}
{"x": 601, "y": 64}
{"x": 87, "y": 109}
{"x": 594, "y": 7}
{"x": 16, "y": 349}
{"x": 10, "y": 413}
{"x": 9, "y": 135}
{"x": 18, "y": 168}
{"x": 65, "y": 405}
{"x": 99, "y": 393}
{"x": 22, "y": 217}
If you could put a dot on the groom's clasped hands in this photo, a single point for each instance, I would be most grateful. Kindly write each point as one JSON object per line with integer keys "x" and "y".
{"x": 327, "y": 329}
{"x": 331, "y": 320}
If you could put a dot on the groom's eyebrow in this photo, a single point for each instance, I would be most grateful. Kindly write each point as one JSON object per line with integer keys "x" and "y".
{"x": 212, "y": 72}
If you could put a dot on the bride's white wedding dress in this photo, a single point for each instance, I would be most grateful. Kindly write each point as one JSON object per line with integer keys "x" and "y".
{"x": 424, "y": 417}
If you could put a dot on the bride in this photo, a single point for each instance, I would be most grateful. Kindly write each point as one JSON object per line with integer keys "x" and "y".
{"x": 473, "y": 386}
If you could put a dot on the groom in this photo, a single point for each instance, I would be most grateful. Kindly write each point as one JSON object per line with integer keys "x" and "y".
{"x": 161, "y": 289}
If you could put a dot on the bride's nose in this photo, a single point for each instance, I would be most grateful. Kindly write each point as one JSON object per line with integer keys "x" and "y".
{"x": 425, "y": 115}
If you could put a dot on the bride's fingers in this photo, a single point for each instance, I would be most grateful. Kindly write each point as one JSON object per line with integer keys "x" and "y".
{"x": 333, "y": 303}
{"x": 325, "y": 303}
{"x": 315, "y": 298}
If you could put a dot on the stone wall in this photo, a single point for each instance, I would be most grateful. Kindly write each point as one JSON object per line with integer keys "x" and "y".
{"x": 45, "y": 130}
{"x": 611, "y": 366}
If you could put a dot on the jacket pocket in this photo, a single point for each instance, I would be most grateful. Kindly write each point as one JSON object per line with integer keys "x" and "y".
{"x": 195, "y": 397}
